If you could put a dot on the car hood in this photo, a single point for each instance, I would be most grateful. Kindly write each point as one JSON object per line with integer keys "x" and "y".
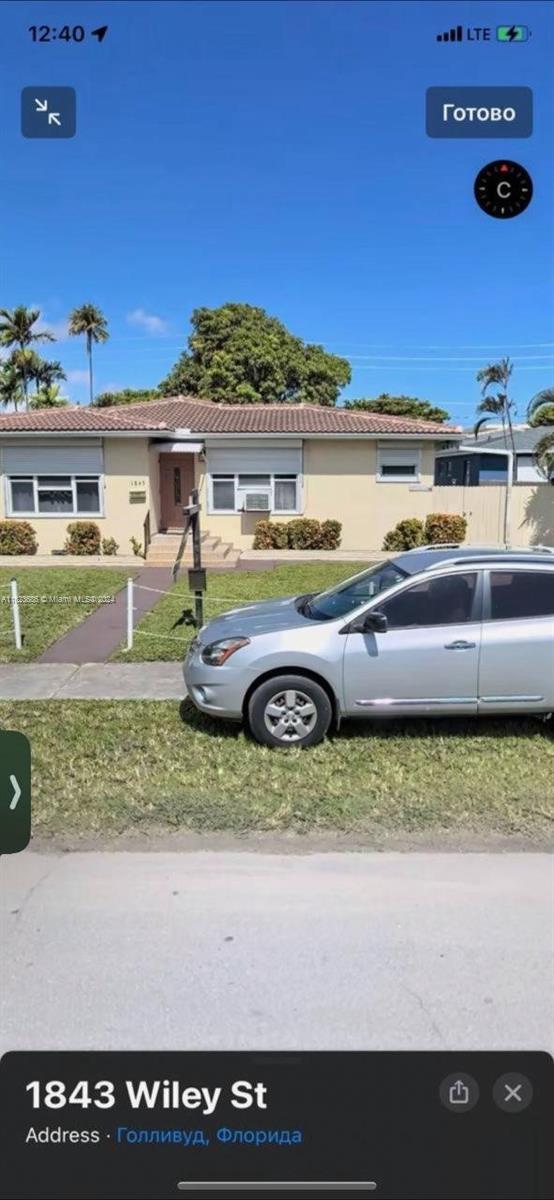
{"x": 250, "y": 620}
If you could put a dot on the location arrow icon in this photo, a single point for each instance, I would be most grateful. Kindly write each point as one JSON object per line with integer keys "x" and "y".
{"x": 16, "y": 793}
{"x": 100, "y": 33}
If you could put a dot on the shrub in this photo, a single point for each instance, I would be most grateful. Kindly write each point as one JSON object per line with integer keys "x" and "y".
{"x": 137, "y": 547}
{"x": 83, "y": 538}
{"x": 270, "y": 535}
{"x": 405, "y": 536}
{"x": 279, "y": 535}
{"x": 330, "y": 535}
{"x": 304, "y": 533}
{"x": 445, "y": 527}
{"x": 263, "y": 536}
{"x": 109, "y": 546}
{"x": 17, "y": 537}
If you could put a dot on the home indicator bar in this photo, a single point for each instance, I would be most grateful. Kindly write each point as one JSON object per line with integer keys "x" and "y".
{"x": 295, "y": 1185}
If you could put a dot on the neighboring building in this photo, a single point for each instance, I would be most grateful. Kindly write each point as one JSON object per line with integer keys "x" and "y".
{"x": 484, "y": 460}
{"x": 131, "y": 469}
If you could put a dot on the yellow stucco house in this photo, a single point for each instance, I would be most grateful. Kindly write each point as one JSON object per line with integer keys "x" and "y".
{"x": 131, "y": 468}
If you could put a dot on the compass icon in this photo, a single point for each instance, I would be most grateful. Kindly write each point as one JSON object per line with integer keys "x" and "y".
{"x": 503, "y": 189}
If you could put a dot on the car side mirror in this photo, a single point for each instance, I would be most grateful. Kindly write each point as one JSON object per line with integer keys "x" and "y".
{"x": 371, "y": 622}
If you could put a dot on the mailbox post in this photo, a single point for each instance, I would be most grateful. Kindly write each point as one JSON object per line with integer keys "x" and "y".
{"x": 197, "y": 574}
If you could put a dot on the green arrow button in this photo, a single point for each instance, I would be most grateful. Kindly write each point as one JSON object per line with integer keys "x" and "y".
{"x": 15, "y": 792}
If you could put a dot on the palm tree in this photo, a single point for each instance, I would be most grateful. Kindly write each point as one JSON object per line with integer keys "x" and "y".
{"x": 46, "y": 374}
{"x": 89, "y": 319}
{"x": 16, "y": 329}
{"x": 496, "y": 375}
{"x": 48, "y": 396}
{"x": 544, "y": 450}
{"x": 11, "y": 390}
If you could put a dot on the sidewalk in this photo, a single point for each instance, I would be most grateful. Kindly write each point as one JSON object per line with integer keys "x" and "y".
{"x": 92, "y": 681}
{"x": 101, "y": 633}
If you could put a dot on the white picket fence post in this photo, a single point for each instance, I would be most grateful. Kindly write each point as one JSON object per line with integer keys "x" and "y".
{"x": 16, "y": 616}
{"x": 130, "y": 614}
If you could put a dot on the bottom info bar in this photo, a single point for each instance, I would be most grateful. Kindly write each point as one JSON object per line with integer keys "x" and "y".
{"x": 150, "y": 1126}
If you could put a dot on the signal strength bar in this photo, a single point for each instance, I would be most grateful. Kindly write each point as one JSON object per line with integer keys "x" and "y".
{"x": 452, "y": 35}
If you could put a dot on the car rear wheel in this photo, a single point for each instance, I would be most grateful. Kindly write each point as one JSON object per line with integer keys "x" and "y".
{"x": 289, "y": 710}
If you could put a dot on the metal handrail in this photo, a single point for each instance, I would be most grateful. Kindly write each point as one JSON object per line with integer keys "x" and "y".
{"x": 147, "y": 533}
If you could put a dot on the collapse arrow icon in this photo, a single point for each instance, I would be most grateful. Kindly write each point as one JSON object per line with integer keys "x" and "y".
{"x": 53, "y": 119}
{"x": 42, "y": 105}
{"x": 16, "y": 793}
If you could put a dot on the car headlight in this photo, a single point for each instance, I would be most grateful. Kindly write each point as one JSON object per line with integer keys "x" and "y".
{"x": 217, "y": 653}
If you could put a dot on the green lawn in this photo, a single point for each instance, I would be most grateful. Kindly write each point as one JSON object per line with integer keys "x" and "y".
{"x": 66, "y": 595}
{"x": 104, "y": 767}
{"x": 160, "y": 635}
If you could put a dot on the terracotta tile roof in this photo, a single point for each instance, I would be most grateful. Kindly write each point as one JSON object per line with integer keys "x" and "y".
{"x": 205, "y": 417}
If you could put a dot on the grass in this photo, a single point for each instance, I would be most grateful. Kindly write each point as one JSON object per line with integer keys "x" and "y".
{"x": 162, "y": 635}
{"x": 150, "y": 765}
{"x": 45, "y": 620}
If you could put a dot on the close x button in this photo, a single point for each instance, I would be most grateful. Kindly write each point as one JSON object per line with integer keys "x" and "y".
{"x": 513, "y": 1092}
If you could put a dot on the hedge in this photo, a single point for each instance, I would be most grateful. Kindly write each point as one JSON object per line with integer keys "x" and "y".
{"x": 437, "y": 528}
{"x": 303, "y": 533}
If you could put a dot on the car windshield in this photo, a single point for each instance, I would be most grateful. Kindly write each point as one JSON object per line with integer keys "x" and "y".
{"x": 340, "y": 600}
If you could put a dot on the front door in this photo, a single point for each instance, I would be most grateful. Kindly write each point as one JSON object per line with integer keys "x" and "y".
{"x": 428, "y": 659}
{"x": 176, "y": 484}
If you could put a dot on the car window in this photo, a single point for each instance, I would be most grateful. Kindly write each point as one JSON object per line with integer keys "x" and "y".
{"x": 342, "y": 599}
{"x": 521, "y": 594}
{"x": 447, "y": 600}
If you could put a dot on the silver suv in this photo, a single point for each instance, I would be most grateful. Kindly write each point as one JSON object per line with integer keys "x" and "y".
{"x": 435, "y": 631}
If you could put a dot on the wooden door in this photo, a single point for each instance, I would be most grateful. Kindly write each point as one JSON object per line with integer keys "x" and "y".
{"x": 176, "y": 484}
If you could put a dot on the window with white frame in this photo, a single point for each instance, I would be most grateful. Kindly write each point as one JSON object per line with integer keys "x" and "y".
{"x": 245, "y": 492}
{"x": 54, "y": 495}
{"x": 398, "y": 466}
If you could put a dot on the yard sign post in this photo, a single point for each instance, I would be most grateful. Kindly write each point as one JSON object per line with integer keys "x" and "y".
{"x": 197, "y": 576}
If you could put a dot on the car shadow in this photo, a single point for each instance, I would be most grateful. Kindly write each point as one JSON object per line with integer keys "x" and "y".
{"x": 415, "y": 728}
{"x": 194, "y": 719}
{"x": 427, "y": 728}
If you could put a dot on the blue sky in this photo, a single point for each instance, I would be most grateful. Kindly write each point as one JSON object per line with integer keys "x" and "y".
{"x": 275, "y": 153}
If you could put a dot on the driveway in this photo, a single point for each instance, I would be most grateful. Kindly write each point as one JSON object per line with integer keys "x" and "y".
{"x": 222, "y": 950}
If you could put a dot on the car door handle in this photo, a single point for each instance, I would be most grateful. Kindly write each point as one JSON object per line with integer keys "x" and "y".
{"x": 460, "y": 645}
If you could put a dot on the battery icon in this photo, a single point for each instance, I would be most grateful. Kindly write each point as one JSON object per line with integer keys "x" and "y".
{"x": 512, "y": 33}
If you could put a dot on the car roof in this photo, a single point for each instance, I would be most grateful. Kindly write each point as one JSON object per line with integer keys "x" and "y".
{"x": 424, "y": 558}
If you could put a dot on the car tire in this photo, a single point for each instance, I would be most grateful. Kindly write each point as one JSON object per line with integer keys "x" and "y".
{"x": 289, "y": 710}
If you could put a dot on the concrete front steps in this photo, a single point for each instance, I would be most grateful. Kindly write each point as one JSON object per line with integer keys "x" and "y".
{"x": 164, "y": 547}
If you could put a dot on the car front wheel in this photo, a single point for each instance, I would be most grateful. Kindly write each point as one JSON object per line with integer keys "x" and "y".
{"x": 289, "y": 710}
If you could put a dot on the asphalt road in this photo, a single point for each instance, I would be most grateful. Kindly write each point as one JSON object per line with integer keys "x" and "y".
{"x": 106, "y": 950}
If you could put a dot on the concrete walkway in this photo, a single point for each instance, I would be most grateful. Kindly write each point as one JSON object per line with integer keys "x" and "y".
{"x": 100, "y": 634}
{"x": 92, "y": 681}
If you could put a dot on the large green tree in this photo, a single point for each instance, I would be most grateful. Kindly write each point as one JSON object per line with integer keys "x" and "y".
{"x": 400, "y": 406}
{"x": 238, "y": 354}
{"x": 90, "y": 321}
{"x": 125, "y": 396}
{"x": 17, "y": 329}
